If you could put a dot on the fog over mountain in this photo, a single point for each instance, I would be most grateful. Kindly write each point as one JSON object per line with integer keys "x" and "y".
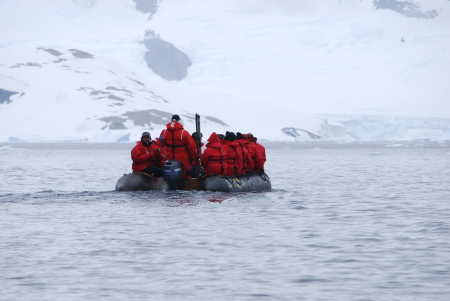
{"x": 105, "y": 70}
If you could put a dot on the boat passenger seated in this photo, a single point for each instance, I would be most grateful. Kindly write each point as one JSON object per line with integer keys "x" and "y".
{"x": 214, "y": 159}
{"x": 234, "y": 155}
{"x": 147, "y": 157}
{"x": 246, "y": 153}
{"x": 260, "y": 153}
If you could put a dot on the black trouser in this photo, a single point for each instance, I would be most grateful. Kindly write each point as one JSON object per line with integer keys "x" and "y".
{"x": 194, "y": 171}
{"x": 153, "y": 170}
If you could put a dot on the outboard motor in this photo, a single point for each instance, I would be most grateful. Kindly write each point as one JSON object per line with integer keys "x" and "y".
{"x": 173, "y": 174}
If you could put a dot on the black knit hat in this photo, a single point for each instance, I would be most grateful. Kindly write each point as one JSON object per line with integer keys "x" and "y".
{"x": 175, "y": 118}
{"x": 230, "y": 136}
{"x": 221, "y": 136}
{"x": 146, "y": 134}
{"x": 239, "y": 136}
{"x": 195, "y": 135}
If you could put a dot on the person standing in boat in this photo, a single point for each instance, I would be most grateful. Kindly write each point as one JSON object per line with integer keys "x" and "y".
{"x": 234, "y": 155}
{"x": 178, "y": 145}
{"x": 260, "y": 155}
{"x": 196, "y": 168}
{"x": 147, "y": 157}
{"x": 214, "y": 158}
{"x": 247, "y": 158}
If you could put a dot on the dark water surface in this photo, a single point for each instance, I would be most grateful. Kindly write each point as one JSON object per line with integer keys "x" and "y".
{"x": 345, "y": 221}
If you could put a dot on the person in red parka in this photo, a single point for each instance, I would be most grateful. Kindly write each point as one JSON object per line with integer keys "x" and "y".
{"x": 252, "y": 150}
{"x": 235, "y": 165}
{"x": 147, "y": 157}
{"x": 247, "y": 157}
{"x": 198, "y": 152}
{"x": 214, "y": 158}
{"x": 196, "y": 167}
{"x": 260, "y": 155}
{"x": 178, "y": 145}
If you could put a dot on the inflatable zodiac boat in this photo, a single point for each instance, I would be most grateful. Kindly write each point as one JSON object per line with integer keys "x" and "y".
{"x": 172, "y": 180}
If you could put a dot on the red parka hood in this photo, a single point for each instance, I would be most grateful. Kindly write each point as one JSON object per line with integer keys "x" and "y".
{"x": 234, "y": 143}
{"x": 174, "y": 125}
{"x": 214, "y": 141}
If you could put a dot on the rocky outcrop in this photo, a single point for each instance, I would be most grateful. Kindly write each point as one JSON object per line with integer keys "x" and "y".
{"x": 165, "y": 59}
{"x": 147, "y": 6}
{"x": 406, "y": 8}
{"x": 5, "y": 96}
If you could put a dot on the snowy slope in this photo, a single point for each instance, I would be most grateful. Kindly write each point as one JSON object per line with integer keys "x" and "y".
{"x": 81, "y": 69}
{"x": 84, "y": 97}
{"x": 327, "y": 57}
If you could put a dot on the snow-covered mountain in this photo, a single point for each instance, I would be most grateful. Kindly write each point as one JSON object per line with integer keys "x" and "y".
{"x": 69, "y": 94}
{"x": 105, "y": 70}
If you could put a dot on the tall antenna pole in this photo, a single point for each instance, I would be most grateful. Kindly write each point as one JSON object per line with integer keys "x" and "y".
{"x": 198, "y": 142}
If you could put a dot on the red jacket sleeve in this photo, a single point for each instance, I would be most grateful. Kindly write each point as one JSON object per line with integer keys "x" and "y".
{"x": 260, "y": 158}
{"x": 140, "y": 154}
{"x": 190, "y": 145}
{"x": 159, "y": 159}
{"x": 240, "y": 161}
{"x": 205, "y": 158}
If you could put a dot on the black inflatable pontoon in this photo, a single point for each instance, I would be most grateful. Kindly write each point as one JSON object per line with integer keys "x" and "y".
{"x": 172, "y": 180}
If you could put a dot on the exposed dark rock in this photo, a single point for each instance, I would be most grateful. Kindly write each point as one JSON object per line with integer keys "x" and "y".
{"x": 81, "y": 54}
{"x": 5, "y": 96}
{"x": 157, "y": 98}
{"x": 406, "y": 8}
{"x": 97, "y": 92}
{"x": 214, "y": 119}
{"x": 113, "y": 97}
{"x": 114, "y": 123}
{"x": 293, "y": 132}
{"x": 113, "y": 119}
{"x": 59, "y": 61}
{"x": 109, "y": 94}
{"x": 137, "y": 82}
{"x": 148, "y": 117}
{"x": 26, "y": 65}
{"x": 117, "y": 89}
{"x": 51, "y": 51}
{"x": 165, "y": 59}
{"x": 120, "y": 92}
{"x": 147, "y": 6}
{"x": 140, "y": 118}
